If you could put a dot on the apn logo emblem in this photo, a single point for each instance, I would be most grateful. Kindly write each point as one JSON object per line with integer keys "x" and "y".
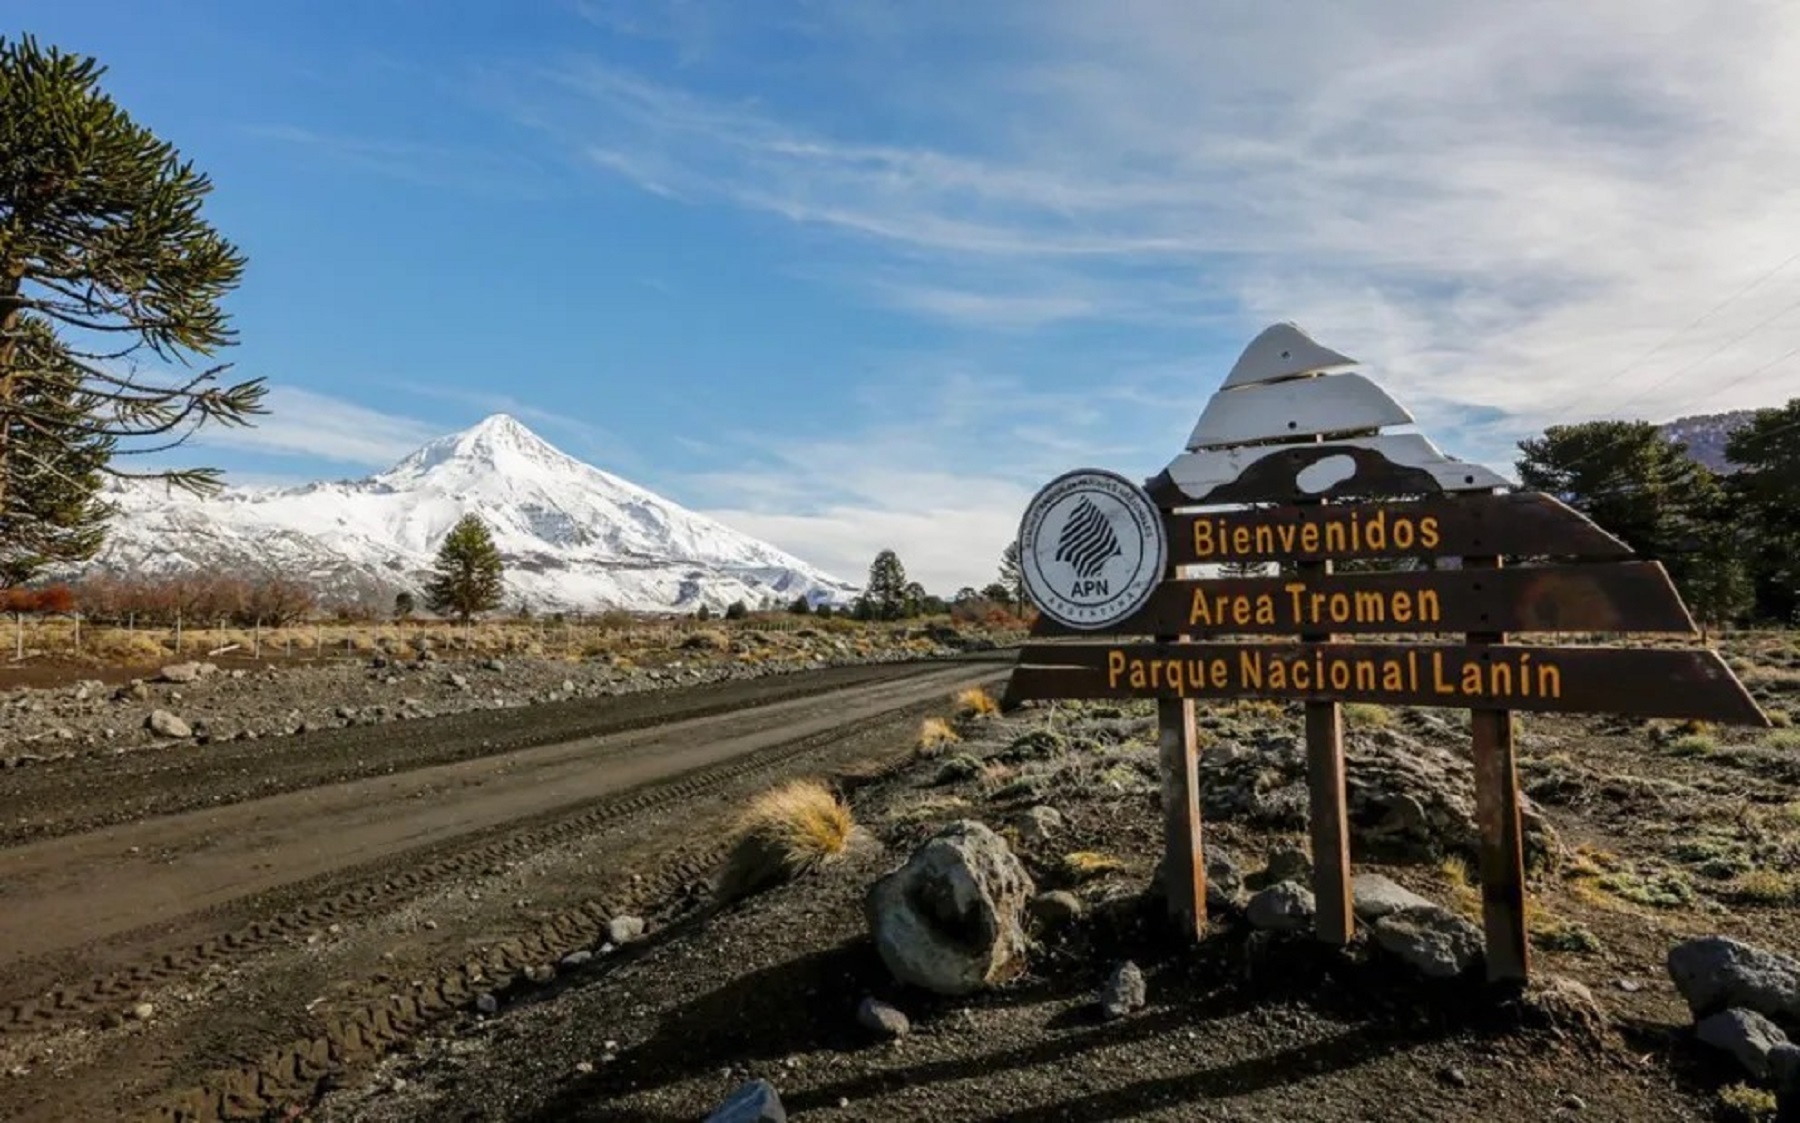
{"x": 1091, "y": 548}
{"x": 1087, "y": 543}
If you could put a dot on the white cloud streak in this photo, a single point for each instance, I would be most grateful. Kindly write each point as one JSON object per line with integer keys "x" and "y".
{"x": 302, "y": 423}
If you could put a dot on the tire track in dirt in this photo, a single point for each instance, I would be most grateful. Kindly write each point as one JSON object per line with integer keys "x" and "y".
{"x": 87, "y": 794}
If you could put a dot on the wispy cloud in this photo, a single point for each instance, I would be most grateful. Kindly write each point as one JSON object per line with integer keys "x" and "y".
{"x": 1499, "y": 207}
{"x": 302, "y": 423}
{"x": 463, "y": 167}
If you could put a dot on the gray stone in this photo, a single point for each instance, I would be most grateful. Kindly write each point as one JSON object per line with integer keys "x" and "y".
{"x": 1434, "y": 941}
{"x": 165, "y": 724}
{"x": 1376, "y": 896}
{"x": 134, "y": 691}
{"x": 487, "y": 1003}
{"x": 1288, "y": 863}
{"x": 1040, "y": 823}
{"x": 1717, "y": 973}
{"x": 182, "y": 672}
{"x": 622, "y": 930}
{"x": 1056, "y": 908}
{"x": 1286, "y": 906}
{"x": 1224, "y": 880}
{"x": 1746, "y": 1035}
{"x": 1123, "y": 992}
{"x": 949, "y": 919}
{"x": 755, "y": 1102}
{"x": 878, "y": 1017}
{"x": 577, "y": 958}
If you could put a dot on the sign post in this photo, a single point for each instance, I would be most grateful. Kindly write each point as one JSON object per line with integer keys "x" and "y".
{"x": 1288, "y": 464}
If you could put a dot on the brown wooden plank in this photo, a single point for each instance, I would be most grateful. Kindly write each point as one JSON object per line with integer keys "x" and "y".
{"x": 1677, "y": 683}
{"x": 1329, "y": 819}
{"x": 1518, "y": 524}
{"x": 1633, "y": 596}
{"x": 1184, "y": 865}
{"x": 1502, "y": 832}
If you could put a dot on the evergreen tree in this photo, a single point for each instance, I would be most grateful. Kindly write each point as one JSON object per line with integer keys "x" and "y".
{"x": 886, "y": 592}
{"x": 1630, "y": 479}
{"x": 998, "y": 593}
{"x": 1012, "y": 578}
{"x": 703, "y": 613}
{"x": 404, "y": 605}
{"x": 104, "y": 260}
{"x": 801, "y": 606}
{"x": 736, "y": 610}
{"x": 1763, "y": 496}
{"x": 467, "y": 576}
{"x": 1719, "y": 589}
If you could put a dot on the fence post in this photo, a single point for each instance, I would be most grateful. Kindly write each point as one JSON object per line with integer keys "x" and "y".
{"x": 256, "y": 638}
{"x": 178, "y": 631}
{"x": 18, "y": 637}
{"x": 78, "y": 631}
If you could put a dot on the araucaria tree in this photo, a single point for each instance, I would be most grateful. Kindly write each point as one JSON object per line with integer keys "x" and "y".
{"x": 106, "y": 267}
{"x": 467, "y": 576}
{"x": 886, "y": 592}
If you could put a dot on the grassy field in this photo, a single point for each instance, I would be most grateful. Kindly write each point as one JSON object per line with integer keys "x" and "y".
{"x": 62, "y": 639}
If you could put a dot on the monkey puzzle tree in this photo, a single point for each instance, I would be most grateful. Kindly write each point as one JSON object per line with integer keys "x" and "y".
{"x": 105, "y": 266}
{"x": 467, "y": 576}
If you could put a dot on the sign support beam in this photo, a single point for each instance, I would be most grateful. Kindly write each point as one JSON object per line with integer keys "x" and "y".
{"x": 1502, "y": 833}
{"x": 1178, "y": 757}
{"x": 1329, "y": 820}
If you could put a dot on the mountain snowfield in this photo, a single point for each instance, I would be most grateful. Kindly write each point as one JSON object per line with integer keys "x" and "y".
{"x": 573, "y": 537}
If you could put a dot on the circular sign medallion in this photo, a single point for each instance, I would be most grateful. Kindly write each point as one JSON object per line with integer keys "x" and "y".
{"x": 1091, "y": 548}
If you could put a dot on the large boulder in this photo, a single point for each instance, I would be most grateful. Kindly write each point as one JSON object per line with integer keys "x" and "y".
{"x": 949, "y": 920}
{"x": 1431, "y": 940}
{"x": 1748, "y": 1036}
{"x": 1716, "y": 973}
{"x": 1409, "y": 800}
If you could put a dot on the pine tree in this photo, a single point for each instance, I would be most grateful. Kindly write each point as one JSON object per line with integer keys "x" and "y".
{"x": 104, "y": 260}
{"x": 1012, "y": 578}
{"x": 801, "y": 606}
{"x": 467, "y": 576}
{"x": 404, "y": 605}
{"x": 886, "y": 592}
{"x": 53, "y": 473}
{"x": 1764, "y": 497}
{"x": 736, "y": 610}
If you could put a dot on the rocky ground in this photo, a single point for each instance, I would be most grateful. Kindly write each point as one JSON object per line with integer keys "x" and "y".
{"x": 201, "y": 701}
{"x": 1022, "y": 966}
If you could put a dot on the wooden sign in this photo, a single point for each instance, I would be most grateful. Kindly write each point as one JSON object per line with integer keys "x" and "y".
{"x": 1299, "y": 451}
{"x": 1623, "y": 597}
{"x": 1643, "y": 682}
{"x": 1527, "y": 524}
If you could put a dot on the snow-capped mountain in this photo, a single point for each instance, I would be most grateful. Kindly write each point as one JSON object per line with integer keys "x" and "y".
{"x": 573, "y": 537}
{"x": 1705, "y": 435}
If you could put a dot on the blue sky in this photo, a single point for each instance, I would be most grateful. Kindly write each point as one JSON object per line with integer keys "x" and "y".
{"x": 864, "y": 274}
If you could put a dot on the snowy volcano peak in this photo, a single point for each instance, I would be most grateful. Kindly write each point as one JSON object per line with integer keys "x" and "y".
{"x": 497, "y": 444}
{"x": 571, "y": 535}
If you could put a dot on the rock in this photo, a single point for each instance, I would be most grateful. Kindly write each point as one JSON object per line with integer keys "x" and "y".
{"x": 1038, "y": 824}
{"x": 1123, "y": 992}
{"x": 143, "y": 1011}
{"x": 459, "y": 682}
{"x": 1286, "y": 906}
{"x": 949, "y": 919}
{"x": 1288, "y": 863}
{"x": 1717, "y": 973}
{"x": 1574, "y": 1102}
{"x": 165, "y": 724}
{"x": 182, "y": 673}
{"x": 1056, "y": 908}
{"x": 1455, "y": 1077}
{"x": 1408, "y": 800}
{"x": 878, "y": 1017}
{"x": 755, "y": 1102}
{"x": 1746, "y": 1035}
{"x": 1224, "y": 880}
{"x": 1784, "y": 1069}
{"x": 1434, "y": 941}
{"x": 540, "y": 973}
{"x": 622, "y": 930}
{"x": 487, "y": 1003}
{"x": 1376, "y": 896}
{"x": 577, "y": 958}
{"x": 134, "y": 691}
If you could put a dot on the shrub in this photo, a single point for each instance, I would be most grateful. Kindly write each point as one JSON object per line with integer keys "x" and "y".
{"x": 934, "y": 734}
{"x": 975, "y": 702}
{"x": 1693, "y": 744}
{"x": 1367, "y": 715}
{"x": 785, "y": 832}
{"x": 736, "y": 610}
{"x": 960, "y": 767}
{"x": 1741, "y": 1103}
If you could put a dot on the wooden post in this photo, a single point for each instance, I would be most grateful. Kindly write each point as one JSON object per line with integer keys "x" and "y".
{"x": 1502, "y": 833}
{"x": 18, "y": 637}
{"x": 256, "y": 639}
{"x": 78, "y": 631}
{"x": 178, "y": 631}
{"x": 1335, "y": 920}
{"x": 1184, "y": 862}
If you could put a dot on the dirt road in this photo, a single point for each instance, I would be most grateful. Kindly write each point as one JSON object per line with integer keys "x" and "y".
{"x": 207, "y": 931}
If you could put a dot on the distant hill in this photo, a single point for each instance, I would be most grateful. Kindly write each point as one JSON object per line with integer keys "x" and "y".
{"x": 1705, "y": 434}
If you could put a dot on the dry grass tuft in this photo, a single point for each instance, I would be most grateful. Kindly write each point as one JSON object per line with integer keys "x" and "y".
{"x": 1083, "y": 865}
{"x": 975, "y": 702}
{"x": 1367, "y": 715}
{"x": 934, "y": 734}
{"x": 1465, "y": 894}
{"x": 1742, "y": 1103}
{"x": 1766, "y": 887}
{"x": 785, "y": 832}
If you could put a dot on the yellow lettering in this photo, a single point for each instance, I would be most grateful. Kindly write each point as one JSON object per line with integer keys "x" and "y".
{"x": 1403, "y": 609}
{"x": 1115, "y": 666}
{"x": 1430, "y": 611}
{"x": 1309, "y": 538}
{"x": 1549, "y": 680}
{"x": 1438, "y": 683}
{"x": 1197, "y": 613}
{"x": 1250, "y": 669}
{"x": 1265, "y": 609}
{"x": 1428, "y": 532}
{"x": 1265, "y": 539}
{"x": 1365, "y": 681}
{"x": 1240, "y": 540}
{"x": 1297, "y": 591}
{"x": 1278, "y": 675}
{"x": 1393, "y": 676}
{"x": 1500, "y": 680}
{"x": 1340, "y": 675}
{"x": 1403, "y": 534}
{"x": 1302, "y": 675}
{"x": 1375, "y": 531}
{"x": 1240, "y": 611}
{"x": 1137, "y": 674}
{"x": 1471, "y": 679}
{"x": 1221, "y": 672}
{"x": 1336, "y": 537}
